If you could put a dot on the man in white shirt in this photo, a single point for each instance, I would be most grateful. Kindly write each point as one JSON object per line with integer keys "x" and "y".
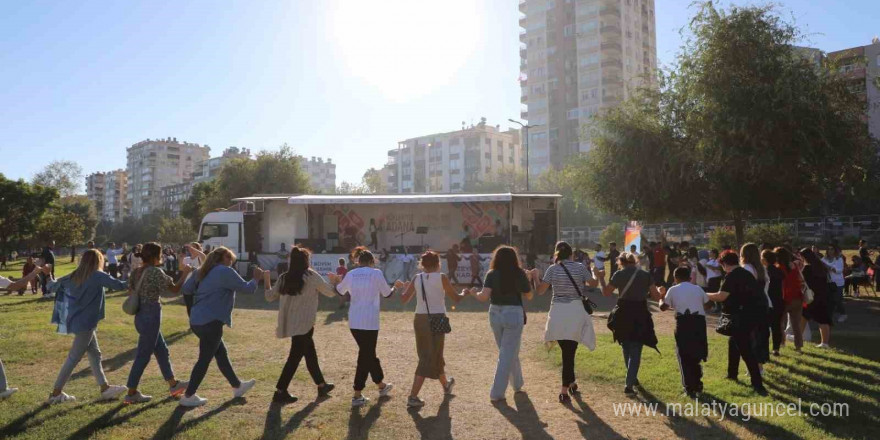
{"x": 834, "y": 264}
{"x": 690, "y": 303}
{"x": 112, "y": 261}
{"x": 599, "y": 260}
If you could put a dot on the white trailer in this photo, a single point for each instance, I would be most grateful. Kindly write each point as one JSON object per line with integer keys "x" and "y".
{"x": 260, "y": 228}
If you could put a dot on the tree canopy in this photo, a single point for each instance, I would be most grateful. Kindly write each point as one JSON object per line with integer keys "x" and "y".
{"x": 21, "y": 206}
{"x": 66, "y": 176}
{"x": 742, "y": 125}
{"x": 85, "y": 210}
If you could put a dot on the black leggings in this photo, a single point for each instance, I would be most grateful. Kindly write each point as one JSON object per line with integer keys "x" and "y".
{"x": 739, "y": 345}
{"x": 367, "y": 363}
{"x": 210, "y": 346}
{"x": 569, "y": 349}
{"x": 300, "y": 346}
{"x": 775, "y": 328}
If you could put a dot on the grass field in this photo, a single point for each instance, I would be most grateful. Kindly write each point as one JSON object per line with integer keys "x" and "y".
{"x": 33, "y": 353}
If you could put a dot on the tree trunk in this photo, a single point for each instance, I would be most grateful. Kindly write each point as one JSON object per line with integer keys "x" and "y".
{"x": 72, "y": 253}
{"x": 739, "y": 228}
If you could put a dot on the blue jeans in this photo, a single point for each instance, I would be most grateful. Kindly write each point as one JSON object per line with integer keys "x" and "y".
{"x": 150, "y": 342}
{"x": 632, "y": 359}
{"x": 211, "y": 346}
{"x": 3, "y": 384}
{"x": 507, "y": 325}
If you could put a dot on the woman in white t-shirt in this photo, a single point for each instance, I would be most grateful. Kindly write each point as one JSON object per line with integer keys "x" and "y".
{"x": 431, "y": 287}
{"x": 367, "y": 287}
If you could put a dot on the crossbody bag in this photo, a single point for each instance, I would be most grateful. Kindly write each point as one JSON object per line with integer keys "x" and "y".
{"x": 439, "y": 322}
{"x": 589, "y": 305}
{"x": 132, "y": 304}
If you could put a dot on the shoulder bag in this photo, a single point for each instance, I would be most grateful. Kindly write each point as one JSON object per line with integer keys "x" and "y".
{"x": 589, "y": 305}
{"x": 806, "y": 291}
{"x": 132, "y": 304}
{"x": 439, "y": 322}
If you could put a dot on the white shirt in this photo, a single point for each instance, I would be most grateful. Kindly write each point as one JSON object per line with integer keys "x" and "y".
{"x": 4, "y": 282}
{"x": 195, "y": 263}
{"x": 686, "y": 296}
{"x": 435, "y": 293}
{"x": 713, "y": 269}
{"x": 366, "y": 285}
{"x": 837, "y": 273}
{"x": 599, "y": 260}
{"x": 111, "y": 255}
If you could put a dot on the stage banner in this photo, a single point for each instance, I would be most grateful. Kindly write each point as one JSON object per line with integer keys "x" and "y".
{"x": 633, "y": 236}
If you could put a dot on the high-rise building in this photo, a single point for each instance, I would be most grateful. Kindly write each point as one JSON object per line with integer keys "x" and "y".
{"x": 107, "y": 190}
{"x": 173, "y": 196}
{"x": 155, "y": 164}
{"x": 862, "y": 66}
{"x": 447, "y": 162}
{"x": 208, "y": 169}
{"x": 579, "y": 57}
{"x": 322, "y": 174}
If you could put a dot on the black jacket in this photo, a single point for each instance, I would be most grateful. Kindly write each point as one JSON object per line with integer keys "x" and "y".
{"x": 631, "y": 321}
{"x": 690, "y": 335}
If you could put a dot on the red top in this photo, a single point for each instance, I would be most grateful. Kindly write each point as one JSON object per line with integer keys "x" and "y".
{"x": 659, "y": 257}
{"x": 791, "y": 284}
{"x": 341, "y": 271}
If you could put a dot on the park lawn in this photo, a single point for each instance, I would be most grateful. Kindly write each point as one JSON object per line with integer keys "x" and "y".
{"x": 13, "y": 269}
{"x": 817, "y": 376}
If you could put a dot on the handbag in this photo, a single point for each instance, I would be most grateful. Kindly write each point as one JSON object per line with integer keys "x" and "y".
{"x": 589, "y": 305}
{"x": 728, "y": 324}
{"x": 132, "y": 304}
{"x": 806, "y": 291}
{"x": 439, "y": 322}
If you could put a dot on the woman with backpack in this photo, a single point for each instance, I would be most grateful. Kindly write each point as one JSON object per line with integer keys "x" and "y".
{"x": 568, "y": 322}
{"x": 431, "y": 287}
{"x": 151, "y": 283}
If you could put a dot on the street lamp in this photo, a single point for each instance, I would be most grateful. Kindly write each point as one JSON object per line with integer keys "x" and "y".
{"x": 525, "y": 129}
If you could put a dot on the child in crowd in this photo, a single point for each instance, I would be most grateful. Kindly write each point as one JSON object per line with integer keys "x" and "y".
{"x": 341, "y": 270}
{"x": 690, "y": 303}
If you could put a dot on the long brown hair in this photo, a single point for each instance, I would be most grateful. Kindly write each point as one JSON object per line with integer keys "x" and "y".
{"x": 214, "y": 258}
{"x": 562, "y": 253}
{"x": 751, "y": 254}
{"x": 298, "y": 267}
{"x": 505, "y": 261}
{"x": 90, "y": 262}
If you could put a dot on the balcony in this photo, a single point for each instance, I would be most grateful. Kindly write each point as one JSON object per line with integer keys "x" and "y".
{"x": 611, "y": 46}
{"x": 522, "y": 6}
{"x": 522, "y": 36}
{"x": 608, "y": 11}
{"x": 851, "y": 72}
{"x": 610, "y": 29}
{"x": 523, "y": 98}
{"x": 522, "y": 53}
{"x": 613, "y": 62}
{"x": 524, "y": 115}
{"x": 522, "y": 22}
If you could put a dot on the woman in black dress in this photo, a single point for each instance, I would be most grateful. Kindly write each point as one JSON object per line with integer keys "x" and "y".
{"x": 820, "y": 309}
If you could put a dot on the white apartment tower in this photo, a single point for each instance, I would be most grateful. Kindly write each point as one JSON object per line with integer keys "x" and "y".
{"x": 447, "y": 162}
{"x": 155, "y": 164}
{"x": 108, "y": 192}
{"x": 322, "y": 173}
{"x": 577, "y": 58}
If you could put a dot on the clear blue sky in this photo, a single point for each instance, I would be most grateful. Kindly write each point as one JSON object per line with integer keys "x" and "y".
{"x": 344, "y": 79}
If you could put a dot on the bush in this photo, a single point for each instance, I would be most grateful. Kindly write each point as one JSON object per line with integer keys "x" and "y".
{"x": 775, "y": 234}
{"x": 613, "y": 232}
{"x": 722, "y": 236}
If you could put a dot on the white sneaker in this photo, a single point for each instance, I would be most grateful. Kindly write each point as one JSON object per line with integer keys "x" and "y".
{"x": 359, "y": 401}
{"x": 449, "y": 384}
{"x": 8, "y": 392}
{"x": 823, "y": 345}
{"x": 244, "y": 388}
{"x": 842, "y": 318}
{"x": 61, "y": 398}
{"x": 192, "y": 401}
{"x": 137, "y": 397}
{"x": 384, "y": 391}
{"x": 414, "y": 402}
{"x": 112, "y": 392}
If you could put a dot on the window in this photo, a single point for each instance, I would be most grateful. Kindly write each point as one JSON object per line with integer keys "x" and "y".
{"x": 488, "y": 155}
{"x": 211, "y": 230}
{"x": 488, "y": 141}
{"x": 568, "y": 30}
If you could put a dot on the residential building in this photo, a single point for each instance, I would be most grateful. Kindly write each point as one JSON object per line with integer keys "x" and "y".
{"x": 173, "y": 197}
{"x": 579, "y": 57}
{"x": 155, "y": 164}
{"x": 862, "y": 65}
{"x": 322, "y": 174}
{"x": 447, "y": 162}
{"x": 107, "y": 190}
{"x": 208, "y": 169}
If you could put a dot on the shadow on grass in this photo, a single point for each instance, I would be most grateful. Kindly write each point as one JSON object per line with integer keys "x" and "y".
{"x": 337, "y": 315}
{"x": 359, "y": 424}
{"x": 273, "y": 428}
{"x": 109, "y": 419}
{"x": 524, "y": 418}
{"x": 173, "y": 425}
{"x": 591, "y": 425}
{"x": 756, "y": 426}
{"x": 119, "y": 361}
{"x": 21, "y": 424}
{"x": 434, "y": 427}
{"x": 686, "y": 427}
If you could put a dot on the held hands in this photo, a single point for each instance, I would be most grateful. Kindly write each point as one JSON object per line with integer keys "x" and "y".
{"x": 334, "y": 278}
{"x": 46, "y": 269}
{"x": 399, "y": 284}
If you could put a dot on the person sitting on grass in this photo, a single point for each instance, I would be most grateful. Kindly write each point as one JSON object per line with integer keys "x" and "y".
{"x": 79, "y": 307}
{"x": 690, "y": 304}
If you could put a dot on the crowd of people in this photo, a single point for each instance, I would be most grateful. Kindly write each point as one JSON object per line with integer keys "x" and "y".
{"x": 760, "y": 291}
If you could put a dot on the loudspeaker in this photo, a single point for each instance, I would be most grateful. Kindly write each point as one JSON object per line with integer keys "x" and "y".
{"x": 422, "y": 230}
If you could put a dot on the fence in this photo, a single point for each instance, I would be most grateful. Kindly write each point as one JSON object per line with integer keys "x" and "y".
{"x": 804, "y": 230}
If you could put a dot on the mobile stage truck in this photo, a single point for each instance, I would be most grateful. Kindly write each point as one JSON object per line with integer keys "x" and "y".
{"x": 260, "y": 229}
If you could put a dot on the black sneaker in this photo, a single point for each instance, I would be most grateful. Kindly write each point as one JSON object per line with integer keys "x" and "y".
{"x": 760, "y": 390}
{"x": 564, "y": 399}
{"x": 629, "y": 391}
{"x": 324, "y": 391}
{"x": 573, "y": 389}
{"x": 283, "y": 397}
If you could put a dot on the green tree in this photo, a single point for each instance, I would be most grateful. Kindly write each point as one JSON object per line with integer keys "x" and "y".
{"x": 176, "y": 231}
{"x": 66, "y": 176}
{"x": 198, "y": 203}
{"x": 373, "y": 182}
{"x": 741, "y": 126}
{"x": 21, "y": 206}
{"x": 83, "y": 208}
{"x": 347, "y": 187}
{"x": 64, "y": 227}
{"x": 615, "y": 232}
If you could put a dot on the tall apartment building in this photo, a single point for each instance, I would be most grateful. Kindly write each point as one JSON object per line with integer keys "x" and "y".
{"x": 207, "y": 170}
{"x": 447, "y": 162}
{"x": 579, "y": 57}
{"x": 108, "y": 191}
{"x": 322, "y": 174}
{"x": 862, "y": 65}
{"x": 155, "y": 164}
{"x": 173, "y": 196}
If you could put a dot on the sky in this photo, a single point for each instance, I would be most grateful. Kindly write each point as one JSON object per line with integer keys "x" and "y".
{"x": 339, "y": 79}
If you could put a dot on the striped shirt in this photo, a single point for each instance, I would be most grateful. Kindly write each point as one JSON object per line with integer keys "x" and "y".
{"x": 563, "y": 290}
{"x": 366, "y": 285}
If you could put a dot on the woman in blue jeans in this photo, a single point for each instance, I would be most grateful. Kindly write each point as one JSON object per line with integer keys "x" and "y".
{"x": 505, "y": 286}
{"x": 150, "y": 283}
{"x": 213, "y": 288}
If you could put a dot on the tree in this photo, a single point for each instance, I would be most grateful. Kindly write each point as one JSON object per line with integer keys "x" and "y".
{"x": 21, "y": 205}
{"x": 742, "y": 126}
{"x": 64, "y": 175}
{"x": 198, "y": 203}
{"x": 175, "y": 231}
{"x": 373, "y": 182}
{"x": 83, "y": 208}
{"x": 63, "y": 227}
{"x": 347, "y": 187}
